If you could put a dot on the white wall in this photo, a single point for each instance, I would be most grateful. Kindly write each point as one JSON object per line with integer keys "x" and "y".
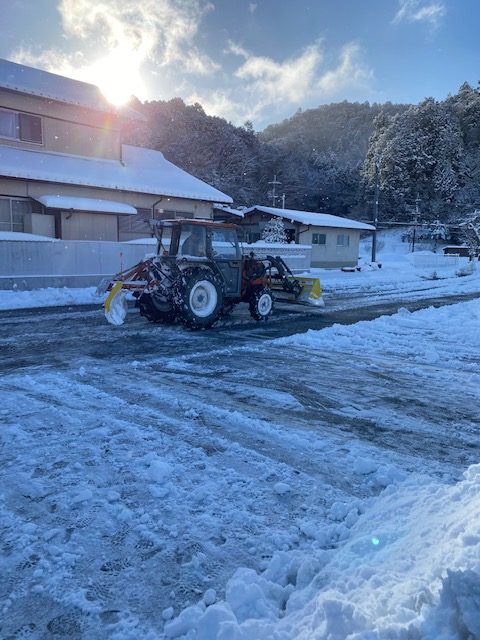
{"x": 296, "y": 256}
{"x": 58, "y": 263}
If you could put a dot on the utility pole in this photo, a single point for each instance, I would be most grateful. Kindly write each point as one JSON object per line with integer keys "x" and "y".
{"x": 274, "y": 184}
{"x": 375, "y": 210}
{"x": 415, "y": 221}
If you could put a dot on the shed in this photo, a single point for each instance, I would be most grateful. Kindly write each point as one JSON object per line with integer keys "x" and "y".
{"x": 334, "y": 239}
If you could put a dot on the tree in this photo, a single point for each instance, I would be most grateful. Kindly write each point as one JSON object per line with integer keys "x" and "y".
{"x": 274, "y": 231}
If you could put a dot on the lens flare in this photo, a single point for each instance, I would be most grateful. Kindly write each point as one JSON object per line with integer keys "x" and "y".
{"x": 118, "y": 76}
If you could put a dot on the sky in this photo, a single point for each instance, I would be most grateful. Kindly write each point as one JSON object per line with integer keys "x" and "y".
{"x": 258, "y": 61}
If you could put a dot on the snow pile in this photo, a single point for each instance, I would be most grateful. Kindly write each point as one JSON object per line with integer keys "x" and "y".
{"x": 17, "y": 236}
{"x": 410, "y": 569}
{"x": 50, "y": 297}
{"x": 439, "y": 329}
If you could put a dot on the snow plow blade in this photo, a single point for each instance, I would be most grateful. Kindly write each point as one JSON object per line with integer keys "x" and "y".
{"x": 132, "y": 280}
{"x": 311, "y": 291}
{"x": 298, "y": 289}
{"x": 305, "y": 290}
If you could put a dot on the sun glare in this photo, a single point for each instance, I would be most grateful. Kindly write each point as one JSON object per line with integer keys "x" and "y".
{"x": 118, "y": 76}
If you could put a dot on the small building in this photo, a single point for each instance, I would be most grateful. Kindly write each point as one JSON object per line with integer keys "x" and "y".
{"x": 65, "y": 173}
{"x": 334, "y": 240}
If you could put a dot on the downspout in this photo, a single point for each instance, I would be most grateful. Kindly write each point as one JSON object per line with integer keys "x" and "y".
{"x": 153, "y": 212}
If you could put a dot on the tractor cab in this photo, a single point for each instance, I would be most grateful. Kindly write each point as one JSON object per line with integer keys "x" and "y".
{"x": 203, "y": 241}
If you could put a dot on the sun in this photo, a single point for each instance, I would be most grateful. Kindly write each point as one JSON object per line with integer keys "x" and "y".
{"x": 117, "y": 75}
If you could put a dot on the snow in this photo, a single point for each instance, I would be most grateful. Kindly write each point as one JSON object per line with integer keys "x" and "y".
{"x": 308, "y": 218}
{"x": 16, "y": 236}
{"x": 50, "y": 297}
{"x": 323, "y": 485}
{"x": 86, "y": 204}
{"x": 140, "y": 171}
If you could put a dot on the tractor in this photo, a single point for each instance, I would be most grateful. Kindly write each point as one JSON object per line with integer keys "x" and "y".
{"x": 199, "y": 274}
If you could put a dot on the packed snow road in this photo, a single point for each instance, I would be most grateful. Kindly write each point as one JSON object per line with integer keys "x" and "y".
{"x": 141, "y": 465}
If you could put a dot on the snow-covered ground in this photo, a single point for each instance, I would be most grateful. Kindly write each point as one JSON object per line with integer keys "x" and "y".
{"x": 161, "y": 484}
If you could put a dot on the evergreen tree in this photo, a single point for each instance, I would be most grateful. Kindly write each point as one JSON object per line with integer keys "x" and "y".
{"x": 274, "y": 231}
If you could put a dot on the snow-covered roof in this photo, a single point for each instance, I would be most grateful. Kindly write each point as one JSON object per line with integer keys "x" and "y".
{"x": 312, "y": 219}
{"x": 35, "y": 82}
{"x": 86, "y": 204}
{"x": 234, "y": 212}
{"x": 141, "y": 171}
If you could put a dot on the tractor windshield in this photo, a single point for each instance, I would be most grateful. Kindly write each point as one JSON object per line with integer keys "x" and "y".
{"x": 193, "y": 241}
{"x": 225, "y": 244}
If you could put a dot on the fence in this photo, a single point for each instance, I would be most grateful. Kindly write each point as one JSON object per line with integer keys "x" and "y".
{"x": 436, "y": 265}
{"x": 36, "y": 264}
{"x": 297, "y": 256}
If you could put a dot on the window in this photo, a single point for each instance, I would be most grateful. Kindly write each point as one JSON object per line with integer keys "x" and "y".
{"x": 30, "y": 128}
{"x": 20, "y": 126}
{"x": 173, "y": 215}
{"x": 7, "y": 124}
{"x": 225, "y": 244}
{"x": 12, "y": 213}
{"x": 319, "y": 238}
{"x": 139, "y": 223}
{"x": 343, "y": 240}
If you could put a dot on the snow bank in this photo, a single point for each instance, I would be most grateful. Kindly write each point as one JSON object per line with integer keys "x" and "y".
{"x": 24, "y": 237}
{"x": 49, "y": 297}
{"x": 410, "y": 569}
{"x": 442, "y": 331}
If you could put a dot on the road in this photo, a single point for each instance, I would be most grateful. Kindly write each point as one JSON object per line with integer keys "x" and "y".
{"x": 140, "y": 464}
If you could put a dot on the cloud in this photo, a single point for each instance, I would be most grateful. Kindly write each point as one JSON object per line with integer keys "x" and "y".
{"x": 267, "y": 87}
{"x": 420, "y": 11}
{"x": 289, "y": 80}
{"x": 161, "y": 28}
{"x": 350, "y": 72}
{"x": 252, "y": 7}
{"x": 123, "y": 36}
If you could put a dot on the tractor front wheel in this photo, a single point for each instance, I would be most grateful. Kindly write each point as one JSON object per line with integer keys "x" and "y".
{"x": 156, "y": 308}
{"x": 198, "y": 297}
{"x": 261, "y": 303}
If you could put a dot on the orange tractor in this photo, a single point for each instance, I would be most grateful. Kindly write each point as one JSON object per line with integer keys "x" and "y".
{"x": 199, "y": 274}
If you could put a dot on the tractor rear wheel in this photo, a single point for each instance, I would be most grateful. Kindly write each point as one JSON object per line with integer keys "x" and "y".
{"x": 155, "y": 308}
{"x": 260, "y": 303}
{"x": 198, "y": 297}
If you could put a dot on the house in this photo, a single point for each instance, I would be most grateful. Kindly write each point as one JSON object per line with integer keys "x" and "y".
{"x": 65, "y": 173}
{"x": 334, "y": 240}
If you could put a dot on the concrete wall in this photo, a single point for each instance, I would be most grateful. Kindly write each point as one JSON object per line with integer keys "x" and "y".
{"x": 57, "y": 263}
{"x": 297, "y": 256}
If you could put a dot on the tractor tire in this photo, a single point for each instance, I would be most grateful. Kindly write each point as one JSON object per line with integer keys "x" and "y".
{"x": 198, "y": 297}
{"x": 156, "y": 309}
{"x": 261, "y": 303}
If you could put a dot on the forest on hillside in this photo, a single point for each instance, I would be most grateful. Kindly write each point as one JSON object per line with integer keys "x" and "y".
{"x": 330, "y": 159}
